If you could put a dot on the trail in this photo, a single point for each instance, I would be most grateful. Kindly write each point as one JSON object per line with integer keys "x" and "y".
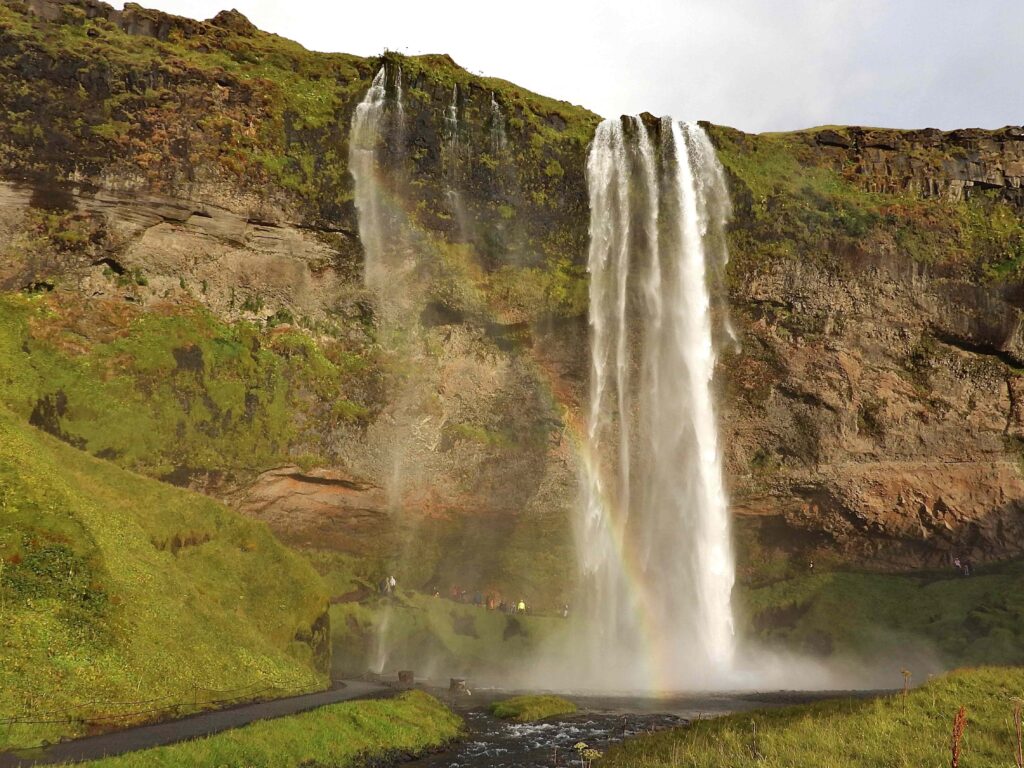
{"x": 192, "y": 727}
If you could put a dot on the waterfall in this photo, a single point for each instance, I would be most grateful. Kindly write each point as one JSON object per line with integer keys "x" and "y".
{"x": 452, "y": 154}
{"x": 376, "y": 160}
{"x": 498, "y": 140}
{"x": 451, "y": 117}
{"x": 375, "y": 118}
{"x": 654, "y": 540}
{"x": 364, "y": 139}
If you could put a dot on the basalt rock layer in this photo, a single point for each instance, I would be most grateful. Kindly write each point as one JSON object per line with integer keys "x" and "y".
{"x": 159, "y": 169}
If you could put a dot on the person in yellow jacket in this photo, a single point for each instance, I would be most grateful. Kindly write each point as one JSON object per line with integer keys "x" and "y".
{"x": 521, "y": 607}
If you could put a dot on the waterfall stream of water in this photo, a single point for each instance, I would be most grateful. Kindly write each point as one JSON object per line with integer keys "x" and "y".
{"x": 654, "y": 538}
{"x": 378, "y": 113}
{"x": 498, "y": 138}
{"x": 376, "y": 162}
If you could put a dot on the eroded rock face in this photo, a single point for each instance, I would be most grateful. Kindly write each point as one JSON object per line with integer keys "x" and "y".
{"x": 879, "y": 411}
{"x": 929, "y": 162}
{"x": 238, "y": 264}
{"x": 320, "y": 508}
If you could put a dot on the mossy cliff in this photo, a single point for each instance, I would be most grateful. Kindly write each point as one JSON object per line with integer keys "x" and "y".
{"x": 179, "y": 191}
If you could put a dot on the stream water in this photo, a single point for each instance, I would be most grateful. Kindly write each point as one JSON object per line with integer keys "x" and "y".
{"x": 602, "y": 722}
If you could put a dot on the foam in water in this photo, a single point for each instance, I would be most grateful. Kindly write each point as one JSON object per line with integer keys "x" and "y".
{"x": 653, "y": 537}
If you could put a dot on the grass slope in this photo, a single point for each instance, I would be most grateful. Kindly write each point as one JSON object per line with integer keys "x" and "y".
{"x": 116, "y": 589}
{"x": 434, "y": 636}
{"x": 526, "y": 709}
{"x": 850, "y": 734}
{"x": 976, "y": 620}
{"x": 353, "y": 733}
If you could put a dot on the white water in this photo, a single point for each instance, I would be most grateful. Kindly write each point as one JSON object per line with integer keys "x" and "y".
{"x": 376, "y": 162}
{"x": 451, "y": 117}
{"x": 654, "y": 539}
{"x": 364, "y": 140}
{"x": 374, "y": 117}
{"x": 498, "y": 139}
{"x": 453, "y": 156}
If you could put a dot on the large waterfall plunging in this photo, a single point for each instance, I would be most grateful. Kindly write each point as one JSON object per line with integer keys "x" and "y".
{"x": 654, "y": 535}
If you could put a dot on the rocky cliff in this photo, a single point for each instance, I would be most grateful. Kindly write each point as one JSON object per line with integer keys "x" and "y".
{"x": 183, "y": 275}
{"x": 872, "y": 413}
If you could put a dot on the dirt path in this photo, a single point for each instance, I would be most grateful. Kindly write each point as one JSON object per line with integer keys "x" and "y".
{"x": 192, "y": 727}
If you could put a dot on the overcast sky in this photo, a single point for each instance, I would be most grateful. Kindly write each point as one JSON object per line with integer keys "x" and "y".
{"x": 753, "y": 64}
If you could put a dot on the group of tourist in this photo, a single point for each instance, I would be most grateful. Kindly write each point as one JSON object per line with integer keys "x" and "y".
{"x": 491, "y": 601}
{"x": 963, "y": 565}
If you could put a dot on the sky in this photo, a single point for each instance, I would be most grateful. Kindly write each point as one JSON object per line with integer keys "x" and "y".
{"x": 758, "y": 65}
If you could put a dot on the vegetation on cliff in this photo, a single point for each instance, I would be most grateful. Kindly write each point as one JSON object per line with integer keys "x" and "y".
{"x": 123, "y": 599}
{"x": 904, "y": 730}
{"x": 177, "y": 394}
{"x": 350, "y": 734}
{"x": 808, "y": 195}
{"x": 937, "y": 618}
{"x": 170, "y": 103}
{"x": 435, "y": 635}
{"x": 144, "y": 103}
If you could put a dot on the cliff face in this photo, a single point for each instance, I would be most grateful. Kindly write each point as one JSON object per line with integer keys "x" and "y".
{"x": 184, "y": 288}
{"x": 872, "y": 414}
{"x": 184, "y": 284}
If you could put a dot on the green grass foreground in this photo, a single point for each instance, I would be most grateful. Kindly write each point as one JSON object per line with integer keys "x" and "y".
{"x": 889, "y": 731}
{"x": 526, "y": 709}
{"x": 339, "y": 735}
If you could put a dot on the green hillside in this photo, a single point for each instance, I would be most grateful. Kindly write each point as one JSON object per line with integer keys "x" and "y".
{"x": 174, "y": 393}
{"x": 120, "y": 594}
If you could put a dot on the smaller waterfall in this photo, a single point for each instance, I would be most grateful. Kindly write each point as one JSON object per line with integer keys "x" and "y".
{"x": 451, "y": 148}
{"x": 451, "y": 117}
{"x": 362, "y": 162}
{"x": 498, "y": 139}
{"x": 452, "y": 154}
{"x": 374, "y": 119}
